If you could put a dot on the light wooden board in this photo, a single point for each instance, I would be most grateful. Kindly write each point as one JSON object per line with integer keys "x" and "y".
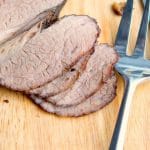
{"x": 24, "y": 126}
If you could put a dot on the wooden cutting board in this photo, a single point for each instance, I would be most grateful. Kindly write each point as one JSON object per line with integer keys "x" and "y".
{"x": 24, "y": 126}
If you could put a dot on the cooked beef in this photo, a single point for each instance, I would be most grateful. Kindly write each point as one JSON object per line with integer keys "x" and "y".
{"x": 103, "y": 96}
{"x": 98, "y": 69}
{"x": 63, "y": 82}
{"x": 48, "y": 54}
{"x": 18, "y": 16}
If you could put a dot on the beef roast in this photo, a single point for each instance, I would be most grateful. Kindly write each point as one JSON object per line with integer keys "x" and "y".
{"x": 63, "y": 82}
{"x": 98, "y": 69}
{"x": 18, "y": 16}
{"x": 48, "y": 54}
{"x": 103, "y": 96}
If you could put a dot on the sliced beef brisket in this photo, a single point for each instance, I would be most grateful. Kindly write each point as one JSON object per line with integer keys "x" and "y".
{"x": 98, "y": 69}
{"x": 59, "y": 65}
{"x": 103, "y": 96}
{"x": 48, "y": 54}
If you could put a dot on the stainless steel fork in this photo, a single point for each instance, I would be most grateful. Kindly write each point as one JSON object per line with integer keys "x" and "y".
{"x": 133, "y": 68}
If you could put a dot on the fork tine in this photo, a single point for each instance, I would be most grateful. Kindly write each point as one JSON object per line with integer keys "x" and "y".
{"x": 124, "y": 29}
{"x": 142, "y": 36}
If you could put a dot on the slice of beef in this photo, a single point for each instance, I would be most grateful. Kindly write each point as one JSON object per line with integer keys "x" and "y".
{"x": 98, "y": 69}
{"x": 103, "y": 96}
{"x": 18, "y": 16}
{"x": 48, "y": 54}
{"x": 63, "y": 82}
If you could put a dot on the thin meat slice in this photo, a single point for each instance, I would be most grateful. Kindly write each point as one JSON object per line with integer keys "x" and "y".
{"x": 18, "y": 16}
{"x": 48, "y": 54}
{"x": 98, "y": 69}
{"x": 102, "y": 97}
{"x": 63, "y": 82}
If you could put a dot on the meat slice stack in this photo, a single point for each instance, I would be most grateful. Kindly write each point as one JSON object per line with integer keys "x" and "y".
{"x": 94, "y": 88}
{"x": 61, "y": 68}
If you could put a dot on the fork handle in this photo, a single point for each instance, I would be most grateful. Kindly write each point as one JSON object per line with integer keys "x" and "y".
{"x": 118, "y": 137}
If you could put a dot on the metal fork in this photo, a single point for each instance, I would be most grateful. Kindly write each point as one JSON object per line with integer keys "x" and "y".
{"x": 133, "y": 68}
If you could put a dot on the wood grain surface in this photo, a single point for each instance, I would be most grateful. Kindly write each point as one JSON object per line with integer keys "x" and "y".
{"x": 24, "y": 126}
